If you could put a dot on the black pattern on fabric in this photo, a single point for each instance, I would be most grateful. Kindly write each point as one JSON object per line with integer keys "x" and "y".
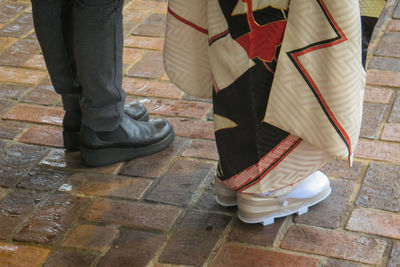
{"x": 244, "y": 102}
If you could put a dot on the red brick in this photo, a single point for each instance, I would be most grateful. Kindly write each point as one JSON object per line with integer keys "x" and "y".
{"x": 133, "y": 248}
{"x": 22, "y": 256}
{"x": 193, "y": 128}
{"x": 383, "y": 78}
{"x": 19, "y": 27}
{"x": 143, "y": 42}
{"x": 13, "y": 91}
{"x": 385, "y": 63}
{"x": 395, "y": 256}
{"x": 372, "y": 118}
{"x": 389, "y": 45}
{"x": 395, "y": 113}
{"x": 151, "y": 88}
{"x": 15, "y": 208}
{"x": 132, "y": 214}
{"x": 341, "y": 169}
{"x": 342, "y": 245}
{"x": 53, "y": 220}
{"x": 202, "y": 149}
{"x": 340, "y": 263}
{"x": 10, "y": 129}
{"x": 194, "y": 239}
{"x": 35, "y": 62}
{"x": 17, "y": 160}
{"x": 5, "y": 105}
{"x": 155, "y": 165}
{"x": 394, "y": 25}
{"x": 69, "y": 258}
{"x": 43, "y": 135}
{"x": 134, "y": 17}
{"x": 19, "y": 53}
{"x": 149, "y": 6}
{"x": 43, "y": 94}
{"x": 179, "y": 184}
{"x": 42, "y": 179}
{"x": 378, "y": 95}
{"x": 149, "y": 66}
{"x": 255, "y": 234}
{"x": 153, "y": 25}
{"x": 207, "y": 202}
{"x": 38, "y": 114}
{"x": 166, "y": 107}
{"x": 376, "y": 150}
{"x": 59, "y": 158}
{"x": 107, "y": 185}
{"x": 391, "y": 132}
{"x": 19, "y": 75}
{"x": 91, "y": 237}
{"x": 375, "y": 222}
{"x": 238, "y": 256}
{"x": 132, "y": 55}
{"x": 6, "y": 42}
{"x": 10, "y": 10}
{"x": 380, "y": 188}
{"x": 330, "y": 212}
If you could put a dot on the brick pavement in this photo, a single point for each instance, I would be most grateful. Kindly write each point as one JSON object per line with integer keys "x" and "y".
{"x": 159, "y": 211}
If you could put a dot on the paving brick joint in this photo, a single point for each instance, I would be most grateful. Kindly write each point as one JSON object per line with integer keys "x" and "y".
{"x": 160, "y": 210}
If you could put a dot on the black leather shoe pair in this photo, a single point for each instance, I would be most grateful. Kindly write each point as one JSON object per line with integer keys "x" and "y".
{"x": 131, "y": 139}
{"x": 72, "y": 123}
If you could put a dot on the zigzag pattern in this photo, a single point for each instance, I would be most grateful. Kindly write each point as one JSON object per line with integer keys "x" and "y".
{"x": 294, "y": 57}
{"x": 186, "y": 48}
{"x": 304, "y": 160}
{"x": 336, "y": 71}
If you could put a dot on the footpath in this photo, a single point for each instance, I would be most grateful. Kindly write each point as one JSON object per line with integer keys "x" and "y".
{"x": 160, "y": 210}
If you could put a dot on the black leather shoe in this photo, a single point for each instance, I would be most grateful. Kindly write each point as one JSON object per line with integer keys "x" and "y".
{"x": 72, "y": 123}
{"x": 130, "y": 140}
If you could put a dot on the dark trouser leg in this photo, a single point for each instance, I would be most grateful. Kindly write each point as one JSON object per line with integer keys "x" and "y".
{"x": 98, "y": 44}
{"x": 52, "y": 22}
{"x": 368, "y": 25}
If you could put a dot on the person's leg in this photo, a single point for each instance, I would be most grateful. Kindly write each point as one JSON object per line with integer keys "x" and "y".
{"x": 108, "y": 134}
{"x": 52, "y": 26}
{"x": 98, "y": 44}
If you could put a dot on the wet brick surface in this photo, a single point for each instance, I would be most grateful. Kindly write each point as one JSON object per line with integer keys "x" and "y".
{"x": 160, "y": 210}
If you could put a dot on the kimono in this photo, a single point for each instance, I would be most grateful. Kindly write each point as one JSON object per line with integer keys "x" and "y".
{"x": 286, "y": 78}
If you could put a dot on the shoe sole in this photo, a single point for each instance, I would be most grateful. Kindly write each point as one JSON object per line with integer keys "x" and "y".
{"x": 267, "y": 218}
{"x": 107, "y": 156}
{"x": 224, "y": 196}
{"x": 71, "y": 141}
{"x": 226, "y": 201}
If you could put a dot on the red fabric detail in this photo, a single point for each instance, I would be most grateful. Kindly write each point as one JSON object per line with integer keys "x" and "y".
{"x": 271, "y": 158}
{"x": 261, "y": 41}
{"x": 191, "y": 24}
{"x": 315, "y": 87}
{"x": 212, "y": 39}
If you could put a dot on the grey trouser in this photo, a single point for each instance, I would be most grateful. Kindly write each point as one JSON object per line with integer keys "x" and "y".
{"x": 82, "y": 44}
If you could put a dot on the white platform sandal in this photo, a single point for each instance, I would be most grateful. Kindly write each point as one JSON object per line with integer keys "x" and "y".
{"x": 224, "y": 195}
{"x": 284, "y": 202}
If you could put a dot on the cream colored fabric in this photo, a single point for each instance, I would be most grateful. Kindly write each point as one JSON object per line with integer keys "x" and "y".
{"x": 186, "y": 49}
{"x": 336, "y": 70}
{"x": 192, "y": 65}
{"x": 304, "y": 160}
{"x": 241, "y": 7}
{"x": 372, "y": 8}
